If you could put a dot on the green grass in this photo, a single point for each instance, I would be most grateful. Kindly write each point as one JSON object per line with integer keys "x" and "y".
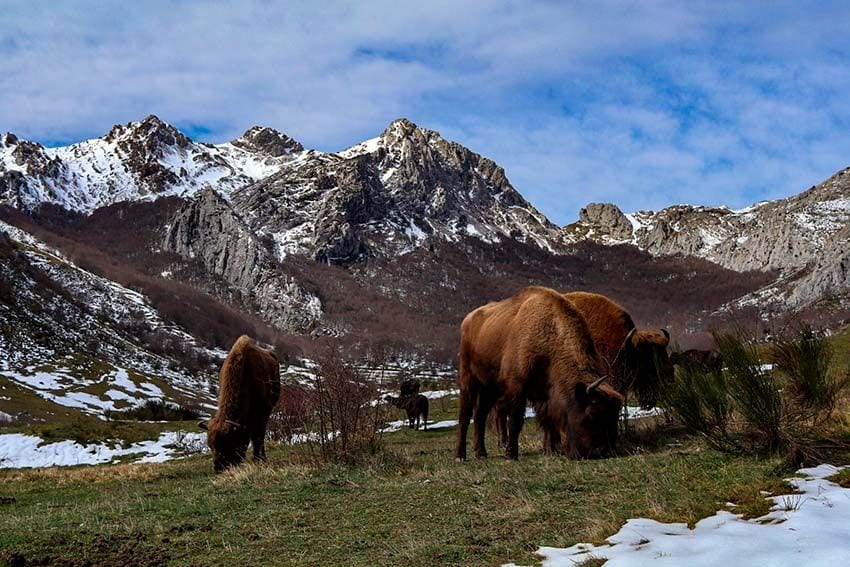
{"x": 412, "y": 505}
{"x": 841, "y": 349}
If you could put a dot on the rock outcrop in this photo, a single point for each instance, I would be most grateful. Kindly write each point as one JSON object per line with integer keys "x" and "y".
{"x": 208, "y": 230}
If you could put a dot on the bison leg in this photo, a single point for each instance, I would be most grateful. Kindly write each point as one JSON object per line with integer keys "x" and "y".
{"x": 425, "y": 418}
{"x": 515, "y": 423}
{"x": 258, "y": 442}
{"x": 466, "y": 402}
{"x": 500, "y": 417}
{"x": 552, "y": 442}
{"x": 485, "y": 404}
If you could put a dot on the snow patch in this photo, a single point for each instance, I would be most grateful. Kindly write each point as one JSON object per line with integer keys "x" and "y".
{"x": 28, "y": 451}
{"x": 809, "y": 528}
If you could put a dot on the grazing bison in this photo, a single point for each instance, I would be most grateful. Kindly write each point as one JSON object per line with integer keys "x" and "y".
{"x": 416, "y": 406}
{"x": 694, "y": 359}
{"x": 249, "y": 387}
{"x": 636, "y": 360}
{"x": 535, "y": 346}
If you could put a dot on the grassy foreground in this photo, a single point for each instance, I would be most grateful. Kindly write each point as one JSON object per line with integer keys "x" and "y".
{"x": 412, "y": 505}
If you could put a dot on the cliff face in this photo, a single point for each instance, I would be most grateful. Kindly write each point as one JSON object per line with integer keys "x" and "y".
{"x": 207, "y": 229}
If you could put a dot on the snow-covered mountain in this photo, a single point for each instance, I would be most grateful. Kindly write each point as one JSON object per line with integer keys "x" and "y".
{"x": 805, "y": 238}
{"x": 139, "y": 160}
{"x": 391, "y": 192}
{"x": 387, "y": 196}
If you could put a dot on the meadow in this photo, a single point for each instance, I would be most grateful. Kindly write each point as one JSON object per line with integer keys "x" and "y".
{"x": 406, "y": 503}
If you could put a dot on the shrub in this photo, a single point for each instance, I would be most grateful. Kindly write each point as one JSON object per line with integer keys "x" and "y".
{"x": 753, "y": 387}
{"x": 701, "y": 401}
{"x": 804, "y": 358}
{"x": 292, "y": 419}
{"x": 347, "y": 422}
{"x": 750, "y": 397}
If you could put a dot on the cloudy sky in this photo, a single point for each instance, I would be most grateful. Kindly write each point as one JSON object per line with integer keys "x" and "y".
{"x": 644, "y": 104}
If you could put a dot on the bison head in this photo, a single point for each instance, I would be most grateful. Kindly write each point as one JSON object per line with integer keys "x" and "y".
{"x": 591, "y": 430}
{"x": 228, "y": 441}
{"x": 648, "y": 363}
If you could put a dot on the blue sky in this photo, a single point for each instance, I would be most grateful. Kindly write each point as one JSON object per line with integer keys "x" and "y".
{"x": 644, "y": 104}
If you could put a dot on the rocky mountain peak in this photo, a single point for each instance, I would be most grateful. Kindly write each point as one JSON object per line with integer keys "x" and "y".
{"x": 267, "y": 141}
{"x": 606, "y": 219}
{"x": 150, "y": 136}
{"x": 8, "y": 139}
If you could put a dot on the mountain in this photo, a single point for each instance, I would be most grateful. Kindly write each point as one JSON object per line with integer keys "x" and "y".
{"x": 804, "y": 239}
{"x": 388, "y": 196}
{"x": 139, "y": 160}
{"x": 388, "y": 242}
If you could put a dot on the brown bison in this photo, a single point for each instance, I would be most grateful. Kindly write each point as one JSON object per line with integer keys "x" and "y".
{"x": 249, "y": 387}
{"x": 635, "y": 360}
{"x": 535, "y": 346}
{"x": 698, "y": 360}
{"x": 416, "y": 406}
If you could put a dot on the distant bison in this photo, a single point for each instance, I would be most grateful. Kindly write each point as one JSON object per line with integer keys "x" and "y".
{"x": 535, "y": 346}
{"x": 249, "y": 387}
{"x": 693, "y": 359}
{"x": 416, "y": 406}
{"x": 409, "y": 388}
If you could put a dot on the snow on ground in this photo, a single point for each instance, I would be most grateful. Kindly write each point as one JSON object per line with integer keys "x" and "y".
{"x": 28, "y": 451}
{"x": 437, "y": 394}
{"x": 809, "y": 529}
{"x": 62, "y": 387}
{"x": 394, "y": 426}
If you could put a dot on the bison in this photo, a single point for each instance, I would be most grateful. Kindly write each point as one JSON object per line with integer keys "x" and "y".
{"x": 694, "y": 359}
{"x": 249, "y": 387}
{"x": 535, "y": 346}
{"x": 637, "y": 360}
{"x": 416, "y": 406}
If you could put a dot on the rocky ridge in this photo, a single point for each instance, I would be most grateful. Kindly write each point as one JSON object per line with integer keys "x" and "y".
{"x": 804, "y": 237}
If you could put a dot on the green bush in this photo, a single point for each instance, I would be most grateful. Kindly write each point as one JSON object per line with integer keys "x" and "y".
{"x": 701, "y": 401}
{"x": 775, "y": 408}
{"x": 804, "y": 358}
{"x": 753, "y": 387}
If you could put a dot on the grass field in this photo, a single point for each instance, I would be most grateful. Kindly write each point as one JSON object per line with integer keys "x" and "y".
{"x": 410, "y": 505}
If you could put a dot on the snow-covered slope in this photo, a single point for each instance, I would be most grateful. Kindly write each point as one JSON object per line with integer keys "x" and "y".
{"x": 139, "y": 160}
{"x": 80, "y": 342}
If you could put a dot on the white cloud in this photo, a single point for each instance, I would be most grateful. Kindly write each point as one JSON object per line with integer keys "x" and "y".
{"x": 644, "y": 104}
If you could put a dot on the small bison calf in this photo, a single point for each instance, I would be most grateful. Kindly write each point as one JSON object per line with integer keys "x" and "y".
{"x": 416, "y": 407}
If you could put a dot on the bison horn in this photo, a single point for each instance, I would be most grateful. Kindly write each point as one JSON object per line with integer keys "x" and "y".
{"x": 596, "y": 384}
{"x": 630, "y": 335}
{"x": 666, "y": 333}
{"x": 202, "y": 424}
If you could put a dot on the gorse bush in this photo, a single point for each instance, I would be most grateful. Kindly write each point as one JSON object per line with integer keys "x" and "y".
{"x": 773, "y": 407}
{"x": 804, "y": 359}
{"x": 701, "y": 401}
{"x": 752, "y": 386}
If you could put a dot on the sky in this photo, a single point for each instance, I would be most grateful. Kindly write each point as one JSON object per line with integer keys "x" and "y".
{"x": 643, "y": 104}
